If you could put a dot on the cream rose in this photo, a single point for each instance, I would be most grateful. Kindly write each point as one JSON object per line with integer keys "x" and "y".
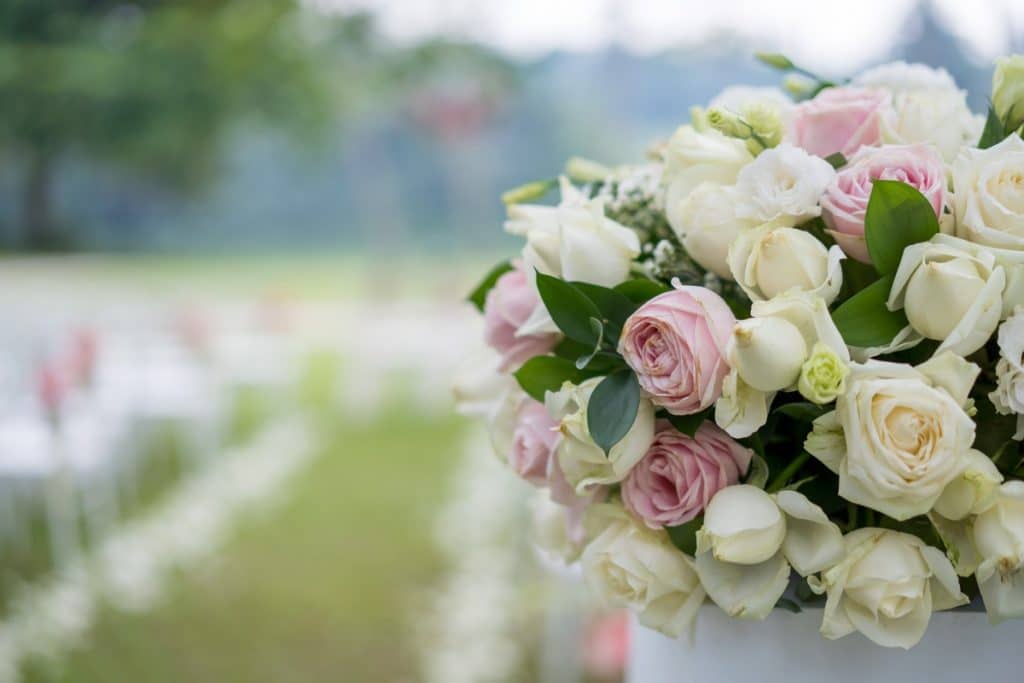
{"x": 904, "y": 434}
{"x": 583, "y": 462}
{"x": 706, "y": 223}
{"x": 927, "y": 107}
{"x": 998, "y": 535}
{"x": 750, "y": 539}
{"x": 1008, "y": 398}
{"x": 629, "y": 565}
{"x": 1008, "y": 90}
{"x": 952, "y": 291}
{"x": 573, "y": 241}
{"x": 693, "y": 157}
{"x": 973, "y": 491}
{"x": 769, "y": 261}
{"x": 988, "y": 195}
{"x": 887, "y": 586}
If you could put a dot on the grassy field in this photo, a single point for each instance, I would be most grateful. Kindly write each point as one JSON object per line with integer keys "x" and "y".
{"x": 318, "y": 591}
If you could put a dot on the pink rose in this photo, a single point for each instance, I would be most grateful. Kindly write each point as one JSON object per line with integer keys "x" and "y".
{"x": 681, "y": 474}
{"x": 839, "y": 120}
{"x": 533, "y": 442}
{"x": 507, "y": 307}
{"x": 846, "y": 199}
{"x": 676, "y": 345}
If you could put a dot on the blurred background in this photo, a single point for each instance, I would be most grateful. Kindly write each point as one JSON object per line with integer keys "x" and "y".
{"x": 235, "y": 239}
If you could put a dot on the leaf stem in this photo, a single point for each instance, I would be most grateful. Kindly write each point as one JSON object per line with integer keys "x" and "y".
{"x": 792, "y": 468}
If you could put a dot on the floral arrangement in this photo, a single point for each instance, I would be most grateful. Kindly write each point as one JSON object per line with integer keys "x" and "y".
{"x": 781, "y": 363}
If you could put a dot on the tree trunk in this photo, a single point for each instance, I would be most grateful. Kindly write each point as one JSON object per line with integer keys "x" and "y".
{"x": 36, "y": 210}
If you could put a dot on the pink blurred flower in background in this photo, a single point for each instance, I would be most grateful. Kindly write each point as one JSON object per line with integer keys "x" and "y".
{"x": 606, "y": 646}
{"x": 533, "y": 442}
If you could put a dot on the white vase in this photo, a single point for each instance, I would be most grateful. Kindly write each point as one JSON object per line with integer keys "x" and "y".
{"x": 787, "y": 647}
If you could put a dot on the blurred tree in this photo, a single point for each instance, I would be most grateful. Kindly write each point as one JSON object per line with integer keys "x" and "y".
{"x": 151, "y": 86}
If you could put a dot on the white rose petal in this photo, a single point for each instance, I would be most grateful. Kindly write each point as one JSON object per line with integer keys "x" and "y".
{"x": 988, "y": 195}
{"x": 767, "y": 353}
{"x": 742, "y": 525}
{"x": 706, "y": 223}
{"x": 770, "y": 261}
{"x": 813, "y": 542}
{"x": 744, "y": 591}
{"x": 693, "y": 157}
{"x": 741, "y": 409}
{"x": 972, "y": 492}
{"x": 999, "y": 538}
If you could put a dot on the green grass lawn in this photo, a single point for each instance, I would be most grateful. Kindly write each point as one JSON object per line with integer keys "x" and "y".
{"x": 319, "y": 590}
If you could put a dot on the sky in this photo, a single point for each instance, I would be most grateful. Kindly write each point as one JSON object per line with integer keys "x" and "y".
{"x": 829, "y": 35}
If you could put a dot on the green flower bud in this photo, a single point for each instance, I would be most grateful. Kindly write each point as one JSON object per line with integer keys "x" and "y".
{"x": 775, "y": 60}
{"x": 1008, "y": 90}
{"x": 797, "y": 85}
{"x": 528, "y": 192}
{"x": 728, "y": 123}
{"x": 822, "y": 376}
{"x": 583, "y": 170}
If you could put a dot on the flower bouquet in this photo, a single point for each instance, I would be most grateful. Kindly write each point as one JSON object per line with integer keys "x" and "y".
{"x": 779, "y": 364}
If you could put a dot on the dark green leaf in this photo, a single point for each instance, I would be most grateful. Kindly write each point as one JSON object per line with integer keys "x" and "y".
{"x": 641, "y": 290}
{"x": 547, "y": 373}
{"x": 615, "y": 307}
{"x": 788, "y": 605}
{"x": 479, "y": 294}
{"x": 804, "y": 593}
{"x": 684, "y": 536}
{"x": 688, "y": 424}
{"x": 570, "y": 308}
{"x": 993, "y": 133}
{"x": 571, "y": 349}
{"x": 897, "y": 216}
{"x": 837, "y": 160}
{"x": 612, "y": 408}
{"x": 584, "y": 360}
{"x": 802, "y": 411}
{"x": 757, "y": 474}
{"x": 864, "y": 320}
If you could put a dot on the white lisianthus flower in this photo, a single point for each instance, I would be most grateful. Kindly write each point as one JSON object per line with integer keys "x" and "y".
{"x": 743, "y": 98}
{"x": 1008, "y": 398}
{"x": 973, "y": 491}
{"x": 573, "y": 241}
{"x": 583, "y": 462}
{"x": 1008, "y": 89}
{"x": 952, "y": 291}
{"x": 706, "y": 223}
{"x": 927, "y": 107}
{"x": 887, "y": 586}
{"x": 693, "y": 157}
{"x": 750, "y": 539}
{"x": 769, "y": 261}
{"x": 906, "y": 434}
{"x": 823, "y": 375}
{"x": 783, "y": 185}
{"x": 629, "y": 565}
{"x": 988, "y": 195}
{"x": 998, "y": 535}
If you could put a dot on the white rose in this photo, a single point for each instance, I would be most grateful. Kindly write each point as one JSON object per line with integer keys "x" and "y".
{"x": 887, "y": 586}
{"x": 573, "y": 241}
{"x": 750, "y": 539}
{"x": 1008, "y": 89}
{"x": 927, "y": 107}
{"x": 784, "y": 185}
{"x": 769, "y": 261}
{"x": 767, "y": 352}
{"x": 583, "y": 462}
{"x": 481, "y": 391}
{"x": 706, "y": 223}
{"x": 693, "y": 157}
{"x": 629, "y": 565}
{"x": 998, "y": 534}
{"x": 988, "y": 195}
{"x": 1008, "y": 398}
{"x": 741, "y": 409}
{"x": 952, "y": 291}
{"x": 906, "y": 435}
{"x": 973, "y": 491}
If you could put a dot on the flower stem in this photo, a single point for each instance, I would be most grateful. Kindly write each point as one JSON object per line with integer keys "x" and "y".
{"x": 787, "y": 473}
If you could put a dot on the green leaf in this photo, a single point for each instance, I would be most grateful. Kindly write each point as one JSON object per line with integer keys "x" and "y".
{"x": 684, "y": 536}
{"x": 584, "y": 360}
{"x": 615, "y": 307}
{"x": 802, "y": 411}
{"x": 804, "y": 593}
{"x": 688, "y": 424}
{"x": 479, "y": 294}
{"x": 757, "y": 475}
{"x": 864, "y": 320}
{"x": 547, "y": 373}
{"x": 612, "y": 408}
{"x": 993, "y": 133}
{"x": 788, "y": 605}
{"x": 836, "y": 159}
{"x": 641, "y": 290}
{"x": 897, "y": 216}
{"x": 569, "y": 307}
